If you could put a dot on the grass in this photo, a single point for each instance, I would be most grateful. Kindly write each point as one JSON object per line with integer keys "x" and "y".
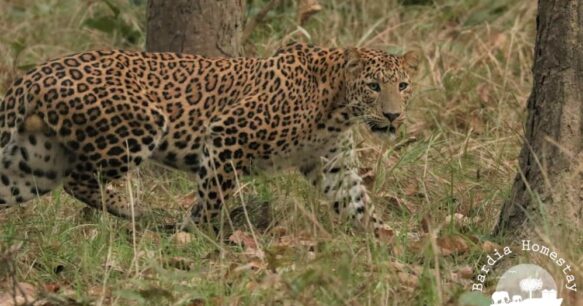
{"x": 466, "y": 118}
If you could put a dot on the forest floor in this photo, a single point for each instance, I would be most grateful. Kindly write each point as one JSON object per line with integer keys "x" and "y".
{"x": 440, "y": 186}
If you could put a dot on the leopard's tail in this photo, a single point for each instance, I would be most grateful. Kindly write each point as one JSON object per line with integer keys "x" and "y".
{"x": 32, "y": 162}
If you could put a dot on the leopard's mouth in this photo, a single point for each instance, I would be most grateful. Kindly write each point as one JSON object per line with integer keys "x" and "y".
{"x": 389, "y": 129}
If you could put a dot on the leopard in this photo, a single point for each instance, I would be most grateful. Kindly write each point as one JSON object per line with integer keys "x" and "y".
{"x": 85, "y": 120}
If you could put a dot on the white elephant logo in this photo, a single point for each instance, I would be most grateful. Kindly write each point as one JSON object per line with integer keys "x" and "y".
{"x": 500, "y": 297}
{"x": 528, "y": 285}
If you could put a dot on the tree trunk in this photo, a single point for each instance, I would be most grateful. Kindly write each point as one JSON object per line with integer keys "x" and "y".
{"x": 204, "y": 27}
{"x": 549, "y": 183}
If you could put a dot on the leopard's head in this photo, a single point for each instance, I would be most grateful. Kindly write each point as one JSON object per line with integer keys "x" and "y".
{"x": 378, "y": 87}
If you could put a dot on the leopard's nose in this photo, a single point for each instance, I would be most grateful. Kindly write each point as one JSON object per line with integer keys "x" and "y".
{"x": 391, "y": 116}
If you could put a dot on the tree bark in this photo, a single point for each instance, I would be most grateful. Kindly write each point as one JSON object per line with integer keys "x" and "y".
{"x": 549, "y": 182}
{"x": 204, "y": 27}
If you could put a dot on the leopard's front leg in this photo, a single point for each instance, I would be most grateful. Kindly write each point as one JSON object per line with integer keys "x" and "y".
{"x": 336, "y": 174}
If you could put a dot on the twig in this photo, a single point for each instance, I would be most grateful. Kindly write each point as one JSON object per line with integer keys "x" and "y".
{"x": 257, "y": 19}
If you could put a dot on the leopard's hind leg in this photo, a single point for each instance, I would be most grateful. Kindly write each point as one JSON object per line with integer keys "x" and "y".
{"x": 32, "y": 163}
{"x": 115, "y": 151}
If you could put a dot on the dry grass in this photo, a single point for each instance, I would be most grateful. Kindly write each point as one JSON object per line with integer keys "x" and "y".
{"x": 466, "y": 118}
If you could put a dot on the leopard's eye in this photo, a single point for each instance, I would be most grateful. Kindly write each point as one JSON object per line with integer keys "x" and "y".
{"x": 403, "y": 86}
{"x": 374, "y": 86}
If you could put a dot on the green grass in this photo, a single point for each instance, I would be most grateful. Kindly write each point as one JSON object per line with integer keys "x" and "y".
{"x": 466, "y": 118}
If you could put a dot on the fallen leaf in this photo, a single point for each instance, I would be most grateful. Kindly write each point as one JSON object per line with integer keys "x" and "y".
{"x": 396, "y": 203}
{"x": 188, "y": 200}
{"x": 94, "y": 291}
{"x": 398, "y": 266}
{"x": 271, "y": 281}
{"x": 182, "y": 238}
{"x": 412, "y": 189}
{"x": 220, "y": 300}
{"x": 20, "y": 294}
{"x": 247, "y": 241}
{"x": 408, "y": 268}
{"x": 426, "y": 224}
{"x": 302, "y": 239}
{"x": 242, "y": 238}
{"x": 398, "y": 251}
{"x": 408, "y": 279}
{"x": 414, "y": 246}
{"x": 473, "y": 238}
{"x": 452, "y": 245}
{"x": 253, "y": 265}
{"x": 498, "y": 40}
{"x": 476, "y": 123}
{"x": 311, "y": 255}
{"x": 368, "y": 177}
{"x": 484, "y": 92}
{"x": 250, "y": 252}
{"x": 490, "y": 247}
{"x": 151, "y": 236}
{"x": 52, "y": 287}
{"x": 307, "y": 8}
{"x": 70, "y": 293}
{"x": 385, "y": 233}
{"x": 251, "y": 286}
{"x": 465, "y": 272}
{"x": 456, "y": 218}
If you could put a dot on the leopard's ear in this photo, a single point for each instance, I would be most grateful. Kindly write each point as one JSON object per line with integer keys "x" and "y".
{"x": 354, "y": 62}
{"x": 411, "y": 62}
